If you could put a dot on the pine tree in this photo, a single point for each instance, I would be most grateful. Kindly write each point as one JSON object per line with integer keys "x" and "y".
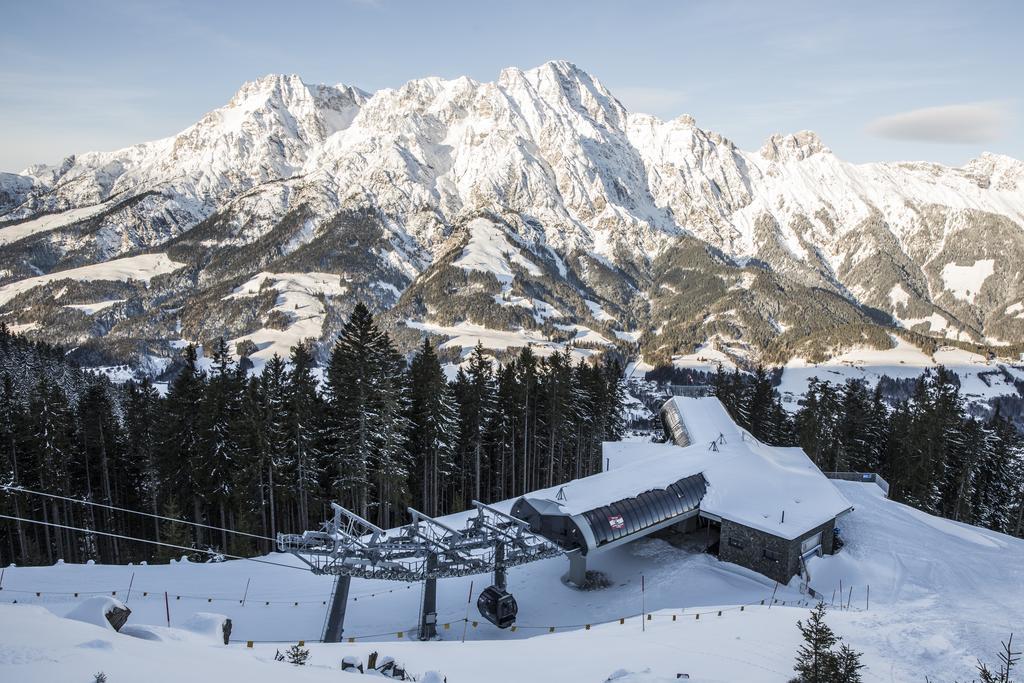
{"x": 141, "y": 437}
{"x": 297, "y": 655}
{"x": 758, "y": 406}
{"x": 305, "y": 428}
{"x": 179, "y": 445}
{"x": 271, "y": 402}
{"x": 848, "y": 665}
{"x": 173, "y": 533}
{"x": 366, "y": 387}
{"x": 106, "y": 474}
{"x": 815, "y": 661}
{"x": 475, "y": 393}
{"x": 11, "y": 421}
{"x": 1008, "y": 660}
{"x": 222, "y": 441}
{"x": 431, "y": 419}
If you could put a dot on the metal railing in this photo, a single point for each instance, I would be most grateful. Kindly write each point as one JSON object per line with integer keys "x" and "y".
{"x": 861, "y": 476}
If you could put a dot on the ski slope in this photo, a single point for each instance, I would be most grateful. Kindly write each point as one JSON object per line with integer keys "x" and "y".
{"x": 941, "y": 594}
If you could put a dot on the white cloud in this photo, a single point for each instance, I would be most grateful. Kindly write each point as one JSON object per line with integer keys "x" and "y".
{"x": 956, "y": 123}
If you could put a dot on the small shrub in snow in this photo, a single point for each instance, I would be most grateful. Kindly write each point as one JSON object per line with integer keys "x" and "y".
{"x": 296, "y": 655}
{"x": 817, "y": 660}
{"x": 99, "y": 677}
{"x": 1007, "y": 660}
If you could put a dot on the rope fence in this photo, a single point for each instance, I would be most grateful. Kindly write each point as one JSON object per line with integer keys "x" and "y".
{"x": 135, "y": 594}
{"x": 475, "y": 623}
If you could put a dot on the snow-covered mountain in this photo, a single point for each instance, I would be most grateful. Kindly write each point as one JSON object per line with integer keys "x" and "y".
{"x": 535, "y": 207}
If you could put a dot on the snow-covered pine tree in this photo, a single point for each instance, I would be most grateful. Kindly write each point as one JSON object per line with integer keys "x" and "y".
{"x": 431, "y": 418}
{"x": 972, "y": 450}
{"x": 141, "y": 414}
{"x": 525, "y": 410}
{"x": 179, "y": 445}
{"x": 51, "y": 442}
{"x": 555, "y": 415}
{"x": 367, "y": 393}
{"x": 12, "y": 420}
{"x": 305, "y": 429}
{"x": 758, "y": 401}
{"x": 103, "y": 473}
{"x": 475, "y": 393}
{"x": 817, "y": 425}
{"x": 222, "y": 437}
{"x": 277, "y": 471}
{"x": 391, "y": 457}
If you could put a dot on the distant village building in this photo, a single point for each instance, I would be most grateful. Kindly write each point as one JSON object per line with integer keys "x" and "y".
{"x": 714, "y": 487}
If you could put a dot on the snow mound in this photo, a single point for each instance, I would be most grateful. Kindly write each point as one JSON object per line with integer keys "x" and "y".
{"x": 94, "y": 611}
{"x": 142, "y": 632}
{"x": 216, "y": 627}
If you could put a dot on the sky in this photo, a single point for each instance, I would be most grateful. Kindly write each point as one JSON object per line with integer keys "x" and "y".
{"x": 878, "y": 81}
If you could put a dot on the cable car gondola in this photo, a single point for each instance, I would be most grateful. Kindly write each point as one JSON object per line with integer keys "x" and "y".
{"x": 497, "y": 606}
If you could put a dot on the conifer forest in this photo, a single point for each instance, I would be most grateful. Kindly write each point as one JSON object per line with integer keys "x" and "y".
{"x": 378, "y": 432}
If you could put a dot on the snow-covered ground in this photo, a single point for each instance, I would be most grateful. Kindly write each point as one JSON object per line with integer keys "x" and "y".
{"x": 941, "y": 594}
{"x": 142, "y": 268}
{"x": 465, "y": 335}
{"x": 300, "y": 306}
{"x": 980, "y": 379}
{"x": 51, "y": 221}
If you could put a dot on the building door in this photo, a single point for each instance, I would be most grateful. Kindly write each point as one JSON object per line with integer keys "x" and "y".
{"x": 810, "y": 544}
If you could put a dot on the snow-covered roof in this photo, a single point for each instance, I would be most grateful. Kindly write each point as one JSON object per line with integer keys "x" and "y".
{"x": 749, "y": 482}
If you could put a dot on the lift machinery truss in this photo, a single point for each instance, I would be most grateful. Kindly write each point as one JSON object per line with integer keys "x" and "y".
{"x": 426, "y": 549}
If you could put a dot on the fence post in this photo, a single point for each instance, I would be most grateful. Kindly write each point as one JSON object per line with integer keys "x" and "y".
{"x": 465, "y": 623}
{"x": 246, "y": 593}
{"x": 867, "y": 599}
{"x": 167, "y": 608}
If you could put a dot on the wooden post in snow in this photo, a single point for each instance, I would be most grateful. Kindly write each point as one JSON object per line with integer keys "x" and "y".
{"x": 465, "y": 623}
{"x": 773, "y": 595}
{"x": 167, "y": 608}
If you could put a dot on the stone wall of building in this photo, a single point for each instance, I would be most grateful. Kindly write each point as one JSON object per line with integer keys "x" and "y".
{"x": 775, "y": 557}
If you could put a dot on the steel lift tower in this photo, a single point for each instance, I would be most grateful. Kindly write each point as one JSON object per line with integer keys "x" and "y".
{"x": 424, "y": 550}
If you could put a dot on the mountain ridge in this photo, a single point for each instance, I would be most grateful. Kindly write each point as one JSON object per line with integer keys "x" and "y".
{"x": 610, "y": 207}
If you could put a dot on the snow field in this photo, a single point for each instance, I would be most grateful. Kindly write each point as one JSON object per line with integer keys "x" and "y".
{"x": 142, "y": 268}
{"x": 941, "y": 594}
{"x": 299, "y": 300}
{"x": 48, "y": 222}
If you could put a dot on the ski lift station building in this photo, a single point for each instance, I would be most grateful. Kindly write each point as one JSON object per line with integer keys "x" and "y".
{"x": 712, "y": 486}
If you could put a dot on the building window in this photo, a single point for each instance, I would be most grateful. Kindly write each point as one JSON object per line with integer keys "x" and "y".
{"x": 810, "y": 543}
{"x": 771, "y": 555}
{"x": 735, "y": 543}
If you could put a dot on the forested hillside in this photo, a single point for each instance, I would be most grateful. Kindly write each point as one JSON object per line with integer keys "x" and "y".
{"x": 267, "y": 453}
{"x": 934, "y": 455}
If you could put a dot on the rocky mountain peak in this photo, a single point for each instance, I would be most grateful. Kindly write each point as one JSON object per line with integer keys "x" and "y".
{"x": 793, "y": 147}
